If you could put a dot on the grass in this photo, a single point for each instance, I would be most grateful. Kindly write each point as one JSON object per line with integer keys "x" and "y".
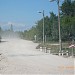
{"x": 55, "y": 47}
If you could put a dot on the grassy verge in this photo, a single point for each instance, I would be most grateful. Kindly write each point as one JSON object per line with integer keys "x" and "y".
{"x": 54, "y": 46}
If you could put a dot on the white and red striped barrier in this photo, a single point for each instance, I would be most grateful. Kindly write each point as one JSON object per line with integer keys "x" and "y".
{"x": 72, "y": 45}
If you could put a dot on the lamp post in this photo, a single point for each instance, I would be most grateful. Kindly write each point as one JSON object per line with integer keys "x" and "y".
{"x": 43, "y": 27}
{"x": 60, "y": 45}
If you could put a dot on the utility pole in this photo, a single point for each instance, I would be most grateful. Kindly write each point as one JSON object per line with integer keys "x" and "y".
{"x": 59, "y": 25}
{"x": 43, "y": 27}
{"x": 60, "y": 45}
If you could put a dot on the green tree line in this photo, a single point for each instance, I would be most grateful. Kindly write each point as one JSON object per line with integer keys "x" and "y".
{"x": 67, "y": 20}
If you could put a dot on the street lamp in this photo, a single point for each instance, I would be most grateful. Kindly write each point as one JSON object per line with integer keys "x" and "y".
{"x": 60, "y": 46}
{"x": 43, "y": 27}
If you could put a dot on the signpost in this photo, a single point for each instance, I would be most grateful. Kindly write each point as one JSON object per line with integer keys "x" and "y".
{"x": 35, "y": 38}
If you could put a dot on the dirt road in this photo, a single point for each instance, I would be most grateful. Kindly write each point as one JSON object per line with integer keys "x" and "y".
{"x": 20, "y": 57}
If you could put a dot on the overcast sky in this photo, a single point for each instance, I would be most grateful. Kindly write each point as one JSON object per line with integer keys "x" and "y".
{"x": 24, "y": 13}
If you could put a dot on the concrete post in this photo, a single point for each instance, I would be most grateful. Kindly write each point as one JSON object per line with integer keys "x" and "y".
{"x": 66, "y": 53}
{"x": 59, "y": 53}
{"x": 62, "y": 53}
{"x": 49, "y": 50}
{"x": 40, "y": 48}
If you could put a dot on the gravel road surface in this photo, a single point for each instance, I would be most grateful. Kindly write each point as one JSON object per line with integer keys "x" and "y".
{"x": 19, "y": 56}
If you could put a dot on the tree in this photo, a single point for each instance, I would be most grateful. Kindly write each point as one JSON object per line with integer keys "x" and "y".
{"x": 54, "y": 26}
{"x": 68, "y": 20}
{"x": 51, "y": 29}
{"x": 51, "y": 24}
{"x": 68, "y": 8}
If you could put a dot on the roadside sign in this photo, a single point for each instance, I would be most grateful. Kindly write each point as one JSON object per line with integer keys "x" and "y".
{"x": 72, "y": 45}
